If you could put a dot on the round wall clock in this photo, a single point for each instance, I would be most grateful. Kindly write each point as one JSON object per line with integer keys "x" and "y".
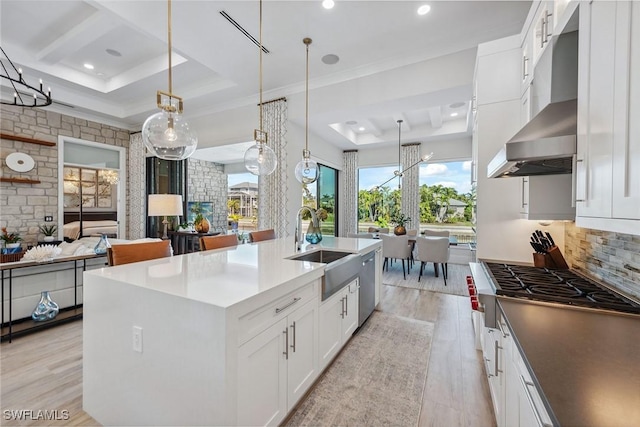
{"x": 20, "y": 162}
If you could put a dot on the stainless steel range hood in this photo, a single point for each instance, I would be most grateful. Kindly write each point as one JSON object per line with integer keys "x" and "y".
{"x": 547, "y": 144}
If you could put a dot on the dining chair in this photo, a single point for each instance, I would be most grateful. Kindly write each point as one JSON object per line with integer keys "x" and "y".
{"x": 413, "y": 232}
{"x": 136, "y": 252}
{"x": 396, "y": 247}
{"x": 383, "y": 230}
{"x": 373, "y": 230}
{"x": 258, "y": 236}
{"x": 435, "y": 233}
{"x": 360, "y": 235}
{"x": 215, "y": 242}
{"x": 435, "y": 250}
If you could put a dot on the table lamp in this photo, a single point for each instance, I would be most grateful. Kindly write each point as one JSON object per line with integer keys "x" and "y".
{"x": 165, "y": 205}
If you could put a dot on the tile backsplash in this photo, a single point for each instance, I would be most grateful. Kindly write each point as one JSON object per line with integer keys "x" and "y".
{"x": 613, "y": 258}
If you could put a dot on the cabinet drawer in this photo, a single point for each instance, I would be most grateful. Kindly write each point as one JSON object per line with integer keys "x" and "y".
{"x": 254, "y": 322}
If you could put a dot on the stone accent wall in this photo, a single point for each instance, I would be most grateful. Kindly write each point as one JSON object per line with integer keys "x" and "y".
{"x": 24, "y": 206}
{"x": 207, "y": 182}
{"x": 613, "y": 258}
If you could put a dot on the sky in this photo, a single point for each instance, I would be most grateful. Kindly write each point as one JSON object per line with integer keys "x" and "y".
{"x": 450, "y": 174}
{"x": 456, "y": 175}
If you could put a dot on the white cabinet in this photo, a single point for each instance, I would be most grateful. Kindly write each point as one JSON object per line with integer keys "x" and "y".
{"x": 608, "y": 155}
{"x": 277, "y": 366}
{"x": 542, "y": 28}
{"x": 339, "y": 319}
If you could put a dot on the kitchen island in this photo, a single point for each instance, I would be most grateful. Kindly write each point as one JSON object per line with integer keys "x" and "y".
{"x": 225, "y": 337}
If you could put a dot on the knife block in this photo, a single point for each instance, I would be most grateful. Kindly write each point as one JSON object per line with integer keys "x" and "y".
{"x": 552, "y": 259}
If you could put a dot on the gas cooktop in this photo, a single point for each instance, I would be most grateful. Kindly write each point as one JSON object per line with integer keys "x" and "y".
{"x": 561, "y": 286}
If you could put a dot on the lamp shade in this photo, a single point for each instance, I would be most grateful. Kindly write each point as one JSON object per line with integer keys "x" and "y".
{"x": 165, "y": 204}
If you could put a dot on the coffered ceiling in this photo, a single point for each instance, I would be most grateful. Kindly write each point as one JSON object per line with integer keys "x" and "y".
{"x": 215, "y": 66}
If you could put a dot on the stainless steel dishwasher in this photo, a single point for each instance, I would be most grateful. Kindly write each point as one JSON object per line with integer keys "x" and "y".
{"x": 367, "y": 287}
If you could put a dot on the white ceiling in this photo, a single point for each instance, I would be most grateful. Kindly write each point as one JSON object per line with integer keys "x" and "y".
{"x": 215, "y": 66}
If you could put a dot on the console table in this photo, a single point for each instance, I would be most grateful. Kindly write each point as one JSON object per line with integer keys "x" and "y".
{"x": 27, "y": 325}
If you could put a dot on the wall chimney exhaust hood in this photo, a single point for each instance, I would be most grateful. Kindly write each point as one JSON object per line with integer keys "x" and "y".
{"x": 546, "y": 145}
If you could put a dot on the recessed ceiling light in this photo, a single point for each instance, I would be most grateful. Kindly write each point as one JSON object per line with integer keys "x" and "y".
{"x": 88, "y": 66}
{"x": 113, "y": 52}
{"x": 456, "y": 105}
{"x": 361, "y": 128}
{"x": 424, "y": 9}
{"x": 351, "y": 122}
{"x": 328, "y": 4}
{"x": 330, "y": 59}
{"x": 454, "y": 114}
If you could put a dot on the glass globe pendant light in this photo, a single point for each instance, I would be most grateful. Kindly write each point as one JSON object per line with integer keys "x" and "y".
{"x": 260, "y": 159}
{"x": 166, "y": 134}
{"x": 307, "y": 170}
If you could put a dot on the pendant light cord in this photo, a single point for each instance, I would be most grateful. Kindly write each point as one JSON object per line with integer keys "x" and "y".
{"x": 260, "y": 42}
{"x": 399, "y": 139}
{"x": 307, "y": 41}
{"x": 169, "y": 44}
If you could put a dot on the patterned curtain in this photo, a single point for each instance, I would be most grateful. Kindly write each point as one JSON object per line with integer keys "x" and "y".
{"x": 272, "y": 189}
{"x": 410, "y": 184}
{"x": 136, "y": 208}
{"x": 349, "y": 219}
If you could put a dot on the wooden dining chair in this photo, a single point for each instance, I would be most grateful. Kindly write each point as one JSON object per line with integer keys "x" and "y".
{"x": 215, "y": 242}
{"x": 136, "y": 252}
{"x": 258, "y": 236}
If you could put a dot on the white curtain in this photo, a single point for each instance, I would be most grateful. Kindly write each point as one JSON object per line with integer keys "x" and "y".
{"x": 136, "y": 206}
{"x": 410, "y": 184}
{"x": 272, "y": 189}
{"x": 349, "y": 218}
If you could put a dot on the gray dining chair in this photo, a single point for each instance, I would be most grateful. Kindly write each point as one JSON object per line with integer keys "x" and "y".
{"x": 396, "y": 247}
{"x": 360, "y": 235}
{"x": 435, "y": 233}
{"x": 435, "y": 250}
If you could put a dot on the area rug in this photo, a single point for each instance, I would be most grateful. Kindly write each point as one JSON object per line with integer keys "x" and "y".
{"x": 378, "y": 379}
{"x": 456, "y": 280}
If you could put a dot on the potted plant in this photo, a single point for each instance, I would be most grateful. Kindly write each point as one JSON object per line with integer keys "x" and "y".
{"x": 400, "y": 220}
{"x": 233, "y": 219}
{"x": 200, "y": 223}
{"x": 11, "y": 241}
{"x": 48, "y": 231}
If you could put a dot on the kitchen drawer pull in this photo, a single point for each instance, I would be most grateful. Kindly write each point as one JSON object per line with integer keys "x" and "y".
{"x": 495, "y": 359}
{"x": 293, "y": 330}
{"x": 346, "y": 305}
{"x": 286, "y": 343}
{"x": 295, "y": 300}
{"x": 526, "y": 385}
{"x": 486, "y": 367}
{"x": 500, "y": 325}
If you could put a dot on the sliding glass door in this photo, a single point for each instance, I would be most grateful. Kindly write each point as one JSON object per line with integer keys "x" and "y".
{"x": 323, "y": 194}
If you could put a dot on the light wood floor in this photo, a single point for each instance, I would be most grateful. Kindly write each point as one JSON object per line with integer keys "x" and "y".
{"x": 43, "y": 371}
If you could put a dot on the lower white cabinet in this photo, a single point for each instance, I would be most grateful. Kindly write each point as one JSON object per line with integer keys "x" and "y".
{"x": 515, "y": 398}
{"x": 276, "y": 367}
{"x": 339, "y": 319}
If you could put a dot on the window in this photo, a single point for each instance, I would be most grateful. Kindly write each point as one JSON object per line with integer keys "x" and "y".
{"x": 327, "y": 187}
{"x": 447, "y": 198}
{"x": 242, "y": 201}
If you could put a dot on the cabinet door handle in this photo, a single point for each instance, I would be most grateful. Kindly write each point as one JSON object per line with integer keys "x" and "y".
{"x": 525, "y": 71}
{"x": 295, "y": 300}
{"x": 500, "y": 325}
{"x": 547, "y": 34}
{"x": 293, "y": 330}
{"x": 486, "y": 361}
{"x": 286, "y": 343}
{"x": 542, "y": 33}
{"x": 346, "y": 305}
{"x": 342, "y": 307}
{"x": 495, "y": 359}
{"x": 526, "y": 384}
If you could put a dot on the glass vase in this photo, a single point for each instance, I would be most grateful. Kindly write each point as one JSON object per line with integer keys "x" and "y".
{"x": 103, "y": 244}
{"x": 46, "y": 309}
{"x": 314, "y": 235}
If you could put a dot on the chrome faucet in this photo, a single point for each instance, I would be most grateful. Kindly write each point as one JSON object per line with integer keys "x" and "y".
{"x": 298, "y": 234}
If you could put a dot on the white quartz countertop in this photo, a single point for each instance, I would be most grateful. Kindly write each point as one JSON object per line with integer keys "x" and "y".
{"x": 225, "y": 277}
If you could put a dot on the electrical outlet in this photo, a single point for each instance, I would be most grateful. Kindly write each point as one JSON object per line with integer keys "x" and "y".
{"x": 137, "y": 339}
{"x": 48, "y": 218}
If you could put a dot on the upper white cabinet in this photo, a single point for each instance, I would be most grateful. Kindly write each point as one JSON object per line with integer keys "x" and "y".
{"x": 608, "y": 154}
{"x": 541, "y": 28}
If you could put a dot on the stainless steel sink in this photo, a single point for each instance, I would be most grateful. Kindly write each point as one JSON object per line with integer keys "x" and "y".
{"x": 341, "y": 269}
